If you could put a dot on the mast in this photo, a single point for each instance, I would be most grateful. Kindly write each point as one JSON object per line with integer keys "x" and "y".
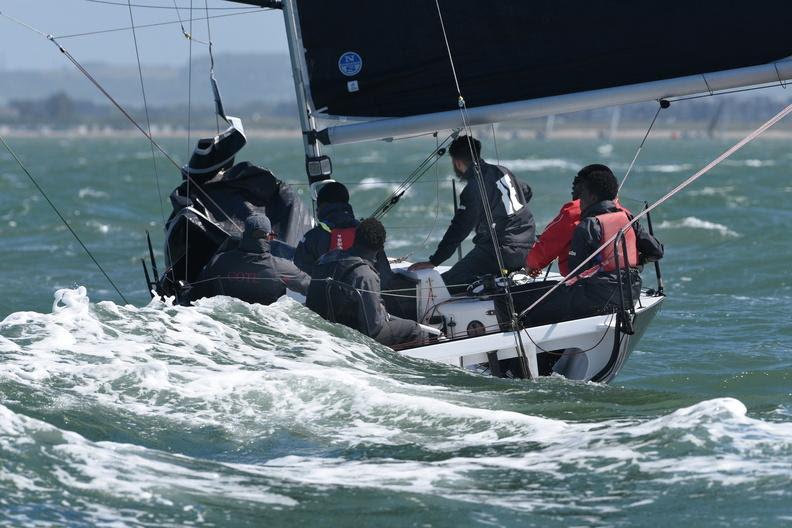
{"x": 560, "y": 104}
{"x": 317, "y": 166}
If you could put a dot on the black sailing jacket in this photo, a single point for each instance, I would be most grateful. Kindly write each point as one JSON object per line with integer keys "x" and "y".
{"x": 508, "y": 199}
{"x": 316, "y": 242}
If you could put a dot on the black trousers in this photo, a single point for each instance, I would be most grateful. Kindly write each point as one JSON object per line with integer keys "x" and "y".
{"x": 398, "y": 331}
{"x": 478, "y": 262}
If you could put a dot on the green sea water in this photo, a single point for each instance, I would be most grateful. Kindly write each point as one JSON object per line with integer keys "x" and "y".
{"x": 228, "y": 414}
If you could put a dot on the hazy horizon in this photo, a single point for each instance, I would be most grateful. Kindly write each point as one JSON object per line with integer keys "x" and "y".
{"x": 259, "y": 31}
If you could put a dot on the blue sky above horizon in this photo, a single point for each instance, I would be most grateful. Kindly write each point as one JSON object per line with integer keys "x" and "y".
{"x": 257, "y": 32}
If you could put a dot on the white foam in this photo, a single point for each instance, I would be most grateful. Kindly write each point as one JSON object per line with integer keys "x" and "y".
{"x": 373, "y": 183}
{"x": 88, "y": 192}
{"x": 691, "y": 222}
{"x": 253, "y": 372}
{"x": 537, "y": 165}
{"x": 667, "y": 168}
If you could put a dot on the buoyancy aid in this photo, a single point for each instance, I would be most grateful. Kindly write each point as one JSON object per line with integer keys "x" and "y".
{"x": 611, "y": 224}
{"x": 341, "y": 238}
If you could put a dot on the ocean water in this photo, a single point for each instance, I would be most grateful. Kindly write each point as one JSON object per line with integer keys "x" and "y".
{"x": 228, "y": 414}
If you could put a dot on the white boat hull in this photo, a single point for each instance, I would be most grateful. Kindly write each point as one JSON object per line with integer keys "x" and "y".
{"x": 586, "y": 348}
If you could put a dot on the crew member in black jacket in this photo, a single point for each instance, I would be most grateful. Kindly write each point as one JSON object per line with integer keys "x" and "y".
{"x": 353, "y": 296}
{"x": 336, "y": 218}
{"x": 514, "y": 222}
{"x": 250, "y": 272}
{"x": 595, "y": 288}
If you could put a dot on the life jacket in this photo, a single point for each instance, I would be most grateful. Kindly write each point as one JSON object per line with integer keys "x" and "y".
{"x": 341, "y": 238}
{"x": 610, "y": 225}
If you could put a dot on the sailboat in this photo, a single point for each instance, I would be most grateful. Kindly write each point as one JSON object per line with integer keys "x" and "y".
{"x": 367, "y": 71}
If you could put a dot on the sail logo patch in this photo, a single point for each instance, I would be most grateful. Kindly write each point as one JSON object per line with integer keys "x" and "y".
{"x": 350, "y": 63}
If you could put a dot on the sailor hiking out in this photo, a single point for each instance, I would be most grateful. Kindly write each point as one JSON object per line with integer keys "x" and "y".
{"x": 345, "y": 288}
{"x": 513, "y": 221}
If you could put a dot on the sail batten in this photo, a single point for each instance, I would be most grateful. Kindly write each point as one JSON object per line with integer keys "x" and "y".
{"x": 719, "y": 81}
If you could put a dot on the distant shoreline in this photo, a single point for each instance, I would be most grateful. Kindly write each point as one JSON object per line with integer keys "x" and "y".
{"x": 283, "y": 133}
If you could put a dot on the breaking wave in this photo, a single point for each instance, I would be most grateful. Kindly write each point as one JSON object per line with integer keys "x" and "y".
{"x": 110, "y": 413}
{"x": 691, "y": 222}
{"x": 535, "y": 165}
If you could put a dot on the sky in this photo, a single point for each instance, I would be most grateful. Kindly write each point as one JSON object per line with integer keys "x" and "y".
{"x": 258, "y": 32}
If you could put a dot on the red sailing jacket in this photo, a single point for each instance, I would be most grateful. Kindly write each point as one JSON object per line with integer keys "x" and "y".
{"x": 556, "y": 240}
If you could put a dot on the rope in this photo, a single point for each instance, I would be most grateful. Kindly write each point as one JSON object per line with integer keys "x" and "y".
{"x": 63, "y": 219}
{"x": 437, "y": 208}
{"x": 412, "y": 178}
{"x": 750, "y": 137}
{"x": 123, "y": 111}
{"x": 147, "y": 26}
{"x": 643, "y": 141}
{"x": 145, "y": 107}
{"x": 484, "y": 196}
{"x": 149, "y": 6}
{"x": 189, "y": 124}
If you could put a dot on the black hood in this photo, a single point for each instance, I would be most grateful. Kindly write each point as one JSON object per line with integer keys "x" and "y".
{"x": 337, "y": 215}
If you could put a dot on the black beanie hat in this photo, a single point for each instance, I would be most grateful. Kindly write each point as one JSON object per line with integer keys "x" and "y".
{"x": 332, "y": 192}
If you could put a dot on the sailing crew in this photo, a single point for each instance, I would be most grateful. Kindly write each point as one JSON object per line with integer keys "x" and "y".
{"x": 336, "y": 229}
{"x": 596, "y": 288}
{"x": 513, "y": 221}
{"x": 352, "y": 296}
{"x": 250, "y": 271}
{"x": 555, "y": 241}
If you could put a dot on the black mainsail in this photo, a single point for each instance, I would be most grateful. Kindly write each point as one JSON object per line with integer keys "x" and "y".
{"x": 380, "y": 69}
{"x": 508, "y": 51}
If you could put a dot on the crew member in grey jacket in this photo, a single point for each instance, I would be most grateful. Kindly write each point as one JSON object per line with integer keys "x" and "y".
{"x": 345, "y": 288}
{"x": 250, "y": 271}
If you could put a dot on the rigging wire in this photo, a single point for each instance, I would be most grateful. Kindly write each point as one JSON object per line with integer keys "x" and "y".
{"x": 189, "y": 125}
{"x": 62, "y": 218}
{"x": 211, "y": 58}
{"x": 145, "y": 107}
{"x": 662, "y": 105}
{"x": 123, "y": 111}
{"x": 437, "y": 207}
{"x": 151, "y": 6}
{"x": 147, "y": 26}
{"x": 750, "y": 137}
{"x": 485, "y": 199}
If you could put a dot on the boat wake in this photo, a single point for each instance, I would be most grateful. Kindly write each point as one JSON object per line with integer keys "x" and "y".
{"x": 171, "y": 415}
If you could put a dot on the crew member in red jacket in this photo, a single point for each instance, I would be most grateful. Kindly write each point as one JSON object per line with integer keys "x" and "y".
{"x": 555, "y": 241}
